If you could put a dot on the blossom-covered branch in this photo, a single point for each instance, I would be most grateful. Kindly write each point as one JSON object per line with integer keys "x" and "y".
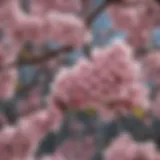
{"x": 44, "y": 57}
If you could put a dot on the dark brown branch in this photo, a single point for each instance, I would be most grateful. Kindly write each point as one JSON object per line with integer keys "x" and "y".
{"x": 94, "y": 14}
{"x": 44, "y": 57}
{"x": 90, "y": 19}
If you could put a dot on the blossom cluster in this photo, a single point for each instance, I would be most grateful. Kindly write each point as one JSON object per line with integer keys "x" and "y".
{"x": 19, "y": 27}
{"x": 136, "y": 18}
{"x": 125, "y": 148}
{"x": 110, "y": 81}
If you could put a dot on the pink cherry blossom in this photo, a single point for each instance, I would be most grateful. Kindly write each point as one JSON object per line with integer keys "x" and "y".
{"x": 8, "y": 79}
{"x": 125, "y": 148}
{"x": 25, "y": 135}
{"x": 77, "y": 149}
{"x": 112, "y": 80}
{"x": 137, "y": 18}
{"x": 42, "y": 7}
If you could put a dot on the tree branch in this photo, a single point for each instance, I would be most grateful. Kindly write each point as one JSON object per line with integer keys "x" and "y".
{"x": 44, "y": 57}
{"x": 95, "y": 13}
